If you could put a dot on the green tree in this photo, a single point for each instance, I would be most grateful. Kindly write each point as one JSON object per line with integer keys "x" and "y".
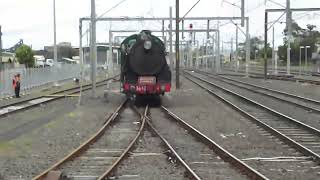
{"x": 302, "y": 37}
{"x": 256, "y": 44}
{"x": 24, "y": 55}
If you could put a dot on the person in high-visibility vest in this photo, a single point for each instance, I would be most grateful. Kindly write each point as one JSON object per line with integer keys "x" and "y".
{"x": 16, "y": 85}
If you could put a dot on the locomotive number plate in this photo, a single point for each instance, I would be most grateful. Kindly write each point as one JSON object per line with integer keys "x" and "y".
{"x": 147, "y": 80}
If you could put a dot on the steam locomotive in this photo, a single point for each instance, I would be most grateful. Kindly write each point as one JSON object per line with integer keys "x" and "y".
{"x": 144, "y": 69}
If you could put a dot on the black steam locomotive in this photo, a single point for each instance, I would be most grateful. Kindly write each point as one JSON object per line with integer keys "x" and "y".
{"x": 144, "y": 69}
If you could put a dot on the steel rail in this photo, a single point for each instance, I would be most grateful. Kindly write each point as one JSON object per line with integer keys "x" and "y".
{"x": 53, "y": 98}
{"x": 263, "y": 93}
{"x": 172, "y": 150}
{"x": 220, "y": 151}
{"x": 57, "y": 92}
{"x": 83, "y": 146}
{"x": 288, "y": 118}
{"x": 108, "y": 172}
{"x": 278, "y": 77}
{"x": 267, "y": 127}
{"x": 276, "y": 91}
{"x": 283, "y": 71}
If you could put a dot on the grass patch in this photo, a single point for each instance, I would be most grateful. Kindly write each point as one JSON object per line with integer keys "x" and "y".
{"x": 7, "y": 149}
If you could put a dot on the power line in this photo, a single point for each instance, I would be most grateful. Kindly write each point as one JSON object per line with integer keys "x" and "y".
{"x": 256, "y": 7}
{"x": 232, "y": 4}
{"x": 112, "y": 8}
{"x": 190, "y": 10}
{"x": 277, "y": 20}
{"x": 277, "y": 3}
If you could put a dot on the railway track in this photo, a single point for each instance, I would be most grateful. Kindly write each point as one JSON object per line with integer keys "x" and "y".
{"x": 311, "y": 105}
{"x": 300, "y": 136}
{"x": 275, "y": 161}
{"x": 283, "y": 77}
{"x": 100, "y": 155}
{"x": 35, "y": 101}
{"x": 284, "y": 71}
{"x": 205, "y": 158}
{"x": 281, "y": 71}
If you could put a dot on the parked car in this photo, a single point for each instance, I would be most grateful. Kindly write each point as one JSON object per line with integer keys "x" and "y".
{"x": 39, "y": 61}
{"x": 49, "y": 62}
{"x": 102, "y": 67}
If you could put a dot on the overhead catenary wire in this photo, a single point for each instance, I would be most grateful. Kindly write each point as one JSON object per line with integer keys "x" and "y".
{"x": 189, "y": 10}
{"x": 276, "y": 21}
{"x": 232, "y": 4}
{"x": 277, "y": 3}
{"x": 112, "y": 8}
{"x": 238, "y": 27}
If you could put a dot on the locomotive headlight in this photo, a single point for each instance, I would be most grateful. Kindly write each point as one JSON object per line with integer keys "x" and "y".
{"x": 147, "y": 45}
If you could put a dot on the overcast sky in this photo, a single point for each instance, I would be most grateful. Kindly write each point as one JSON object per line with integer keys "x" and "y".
{"x": 32, "y": 20}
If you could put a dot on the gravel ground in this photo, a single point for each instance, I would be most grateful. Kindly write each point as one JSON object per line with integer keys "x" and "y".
{"x": 278, "y": 95}
{"x": 38, "y": 137}
{"x": 106, "y": 150}
{"x": 235, "y": 133}
{"x": 197, "y": 155}
{"x": 303, "y": 89}
{"x": 288, "y": 109}
{"x": 149, "y": 161}
{"x": 44, "y": 90}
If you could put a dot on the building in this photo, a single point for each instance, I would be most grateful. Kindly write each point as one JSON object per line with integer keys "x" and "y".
{"x": 8, "y": 60}
{"x": 65, "y": 50}
{"x": 102, "y": 54}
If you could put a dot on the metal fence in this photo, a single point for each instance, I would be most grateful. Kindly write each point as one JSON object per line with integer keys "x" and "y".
{"x": 36, "y": 77}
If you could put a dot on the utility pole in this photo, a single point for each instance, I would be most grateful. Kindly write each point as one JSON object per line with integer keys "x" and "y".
{"x": 236, "y": 55}
{"x": 306, "y": 59}
{"x": 55, "y": 50}
{"x": 177, "y": 46}
{"x": 272, "y": 60}
{"x": 265, "y": 44}
{"x": 197, "y": 55}
{"x": 218, "y": 67}
{"x": 214, "y": 62}
{"x": 242, "y": 13}
{"x": 222, "y": 47}
{"x": 190, "y": 58}
{"x": 81, "y": 62}
{"x": 162, "y": 28}
{"x": 93, "y": 53}
{"x": 231, "y": 48}
{"x": 182, "y": 28}
{"x": 208, "y": 36}
{"x": 170, "y": 39}
{"x": 202, "y": 53}
{"x": 289, "y": 31}
{"x": 0, "y": 45}
{"x": 110, "y": 65}
{"x": 247, "y": 47}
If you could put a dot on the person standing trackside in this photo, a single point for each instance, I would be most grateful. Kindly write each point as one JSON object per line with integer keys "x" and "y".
{"x": 16, "y": 85}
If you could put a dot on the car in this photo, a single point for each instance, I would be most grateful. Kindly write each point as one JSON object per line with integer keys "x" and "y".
{"x": 39, "y": 61}
{"x": 49, "y": 62}
{"x": 102, "y": 67}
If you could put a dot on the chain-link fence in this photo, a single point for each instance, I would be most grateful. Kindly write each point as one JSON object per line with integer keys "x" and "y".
{"x": 36, "y": 77}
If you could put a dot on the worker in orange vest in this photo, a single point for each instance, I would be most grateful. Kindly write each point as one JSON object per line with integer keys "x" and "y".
{"x": 16, "y": 85}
